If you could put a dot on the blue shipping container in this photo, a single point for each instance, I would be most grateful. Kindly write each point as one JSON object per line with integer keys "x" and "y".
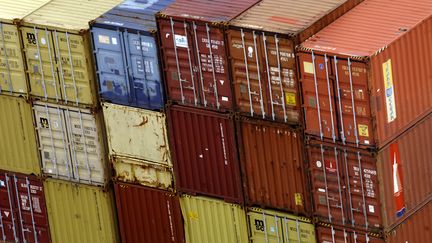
{"x": 127, "y": 54}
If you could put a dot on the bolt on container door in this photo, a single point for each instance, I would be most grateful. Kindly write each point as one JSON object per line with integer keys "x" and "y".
{"x": 18, "y": 149}
{"x": 213, "y": 221}
{"x": 336, "y": 234}
{"x": 138, "y": 145}
{"x": 273, "y": 226}
{"x": 80, "y": 213}
{"x": 71, "y": 144}
{"x": 23, "y": 210}
{"x": 271, "y": 157}
{"x": 204, "y": 153}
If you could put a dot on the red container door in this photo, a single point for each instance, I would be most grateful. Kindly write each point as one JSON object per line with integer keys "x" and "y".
{"x": 10, "y": 230}
{"x": 204, "y": 153}
{"x": 336, "y": 234}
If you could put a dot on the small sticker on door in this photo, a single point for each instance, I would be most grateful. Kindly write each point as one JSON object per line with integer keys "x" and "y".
{"x": 290, "y": 98}
{"x": 104, "y": 39}
{"x": 114, "y": 40}
{"x": 308, "y": 67}
{"x": 298, "y": 199}
{"x": 363, "y": 130}
{"x": 181, "y": 41}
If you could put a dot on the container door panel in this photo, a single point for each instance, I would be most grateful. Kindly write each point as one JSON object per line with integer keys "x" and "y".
{"x": 53, "y": 141}
{"x": 295, "y": 230}
{"x": 265, "y": 228}
{"x": 8, "y": 219}
{"x": 111, "y": 68}
{"x": 41, "y": 63}
{"x": 12, "y": 75}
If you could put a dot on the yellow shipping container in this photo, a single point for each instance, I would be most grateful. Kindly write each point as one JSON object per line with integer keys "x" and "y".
{"x": 80, "y": 213}
{"x": 58, "y": 50}
{"x": 213, "y": 221}
{"x": 18, "y": 146}
{"x": 270, "y": 226}
{"x": 12, "y": 75}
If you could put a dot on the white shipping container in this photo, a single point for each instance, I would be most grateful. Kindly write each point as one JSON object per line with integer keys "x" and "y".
{"x": 71, "y": 143}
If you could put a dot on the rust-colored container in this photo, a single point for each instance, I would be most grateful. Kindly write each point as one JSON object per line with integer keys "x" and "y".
{"x": 148, "y": 215}
{"x": 271, "y": 157}
{"x": 204, "y": 153}
{"x": 335, "y": 234}
{"x": 197, "y": 72}
{"x": 261, "y": 45}
{"x": 415, "y": 228}
{"x": 357, "y": 75}
{"x": 344, "y": 186}
{"x": 23, "y": 209}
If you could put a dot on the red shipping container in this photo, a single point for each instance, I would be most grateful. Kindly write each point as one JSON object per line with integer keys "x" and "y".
{"x": 344, "y": 186}
{"x": 22, "y": 209}
{"x": 204, "y": 153}
{"x": 194, "y": 51}
{"x": 357, "y": 75}
{"x": 148, "y": 215}
{"x": 271, "y": 157}
{"x": 336, "y": 234}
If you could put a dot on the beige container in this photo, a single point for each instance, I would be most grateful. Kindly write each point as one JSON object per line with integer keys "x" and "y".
{"x": 71, "y": 143}
{"x": 58, "y": 50}
{"x": 80, "y": 213}
{"x": 138, "y": 145}
{"x": 18, "y": 144}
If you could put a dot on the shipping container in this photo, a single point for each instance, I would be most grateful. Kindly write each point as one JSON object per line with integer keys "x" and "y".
{"x": 357, "y": 74}
{"x": 58, "y": 54}
{"x": 194, "y": 51}
{"x": 213, "y": 221}
{"x": 13, "y": 78}
{"x": 261, "y": 44}
{"x": 18, "y": 146}
{"x": 414, "y": 228}
{"x": 148, "y": 215}
{"x": 138, "y": 145}
{"x": 271, "y": 157}
{"x": 272, "y": 226}
{"x": 126, "y": 53}
{"x": 80, "y": 213}
{"x": 345, "y": 186}
{"x": 23, "y": 209}
{"x": 405, "y": 172}
{"x": 335, "y": 234}
{"x": 71, "y": 143}
{"x": 204, "y": 153}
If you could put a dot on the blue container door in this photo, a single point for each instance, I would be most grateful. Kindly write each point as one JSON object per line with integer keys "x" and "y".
{"x": 142, "y": 57}
{"x": 112, "y": 73}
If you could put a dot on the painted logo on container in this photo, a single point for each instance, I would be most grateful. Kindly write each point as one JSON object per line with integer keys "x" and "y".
{"x": 389, "y": 91}
{"x": 398, "y": 192}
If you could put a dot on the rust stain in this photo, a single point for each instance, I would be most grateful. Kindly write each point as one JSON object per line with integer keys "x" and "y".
{"x": 143, "y": 122}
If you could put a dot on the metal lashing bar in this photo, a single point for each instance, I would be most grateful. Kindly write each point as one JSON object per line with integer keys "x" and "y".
{"x": 259, "y": 74}
{"x": 247, "y": 72}
{"x": 52, "y": 64}
{"x": 330, "y": 98}
{"x": 177, "y": 61}
{"x": 339, "y": 101}
{"x": 72, "y": 69}
{"x": 40, "y": 63}
{"x": 317, "y": 97}
{"x": 213, "y": 67}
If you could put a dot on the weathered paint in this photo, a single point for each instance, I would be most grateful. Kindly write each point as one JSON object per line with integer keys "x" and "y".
{"x": 327, "y": 233}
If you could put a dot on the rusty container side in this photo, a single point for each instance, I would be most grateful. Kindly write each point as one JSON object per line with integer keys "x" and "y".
{"x": 336, "y": 234}
{"x": 204, "y": 153}
{"x": 271, "y": 158}
{"x": 408, "y": 157}
{"x": 148, "y": 215}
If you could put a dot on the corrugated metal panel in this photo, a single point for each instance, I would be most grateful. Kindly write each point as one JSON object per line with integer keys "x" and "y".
{"x": 409, "y": 157}
{"x": 273, "y": 226}
{"x": 213, "y": 221}
{"x": 209, "y": 11}
{"x": 345, "y": 186}
{"x": 79, "y": 213}
{"x": 271, "y": 157}
{"x": 148, "y": 215}
{"x": 23, "y": 210}
{"x": 12, "y": 10}
{"x": 138, "y": 145}
{"x": 337, "y": 234}
{"x": 204, "y": 153}
{"x": 19, "y": 153}
{"x": 71, "y": 143}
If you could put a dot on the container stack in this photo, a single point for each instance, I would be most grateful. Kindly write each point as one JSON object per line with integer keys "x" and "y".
{"x": 367, "y": 120}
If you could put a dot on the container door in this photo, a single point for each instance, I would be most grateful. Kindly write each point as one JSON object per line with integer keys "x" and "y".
{"x": 353, "y": 102}
{"x": 177, "y": 46}
{"x": 53, "y": 141}
{"x": 31, "y": 210}
{"x": 265, "y": 228}
{"x": 332, "y": 235}
{"x": 318, "y": 96}
{"x": 295, "y": 230}
{"x": 74, "y": 65}
{"x": 249, "y": 85}
{"x": 144, "y": 70}
{"x": 279, "y": 75}
{"x": 86, "y": 147}
{"x": 41, "y": 63}
{"x": 12, "y": 78}
{"x": 111, "y": 68}
{"x": 9, "y": 223}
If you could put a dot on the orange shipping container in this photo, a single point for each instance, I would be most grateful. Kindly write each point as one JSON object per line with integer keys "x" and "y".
{"x": 362, "y": 75}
